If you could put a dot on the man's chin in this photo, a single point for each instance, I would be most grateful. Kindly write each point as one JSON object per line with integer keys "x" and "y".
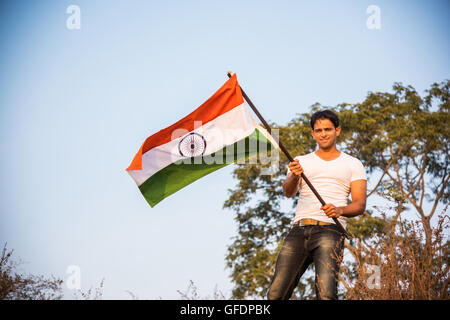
{"x": 327, "y": 146}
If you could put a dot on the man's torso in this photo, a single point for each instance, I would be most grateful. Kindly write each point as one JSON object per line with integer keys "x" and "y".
{"x": 332, "y": 181}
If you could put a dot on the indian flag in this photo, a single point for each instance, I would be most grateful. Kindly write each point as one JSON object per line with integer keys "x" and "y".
{"x": 219, "y": 132}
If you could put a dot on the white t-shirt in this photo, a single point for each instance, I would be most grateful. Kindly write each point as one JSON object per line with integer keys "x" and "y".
{"x": 331, "y": 179}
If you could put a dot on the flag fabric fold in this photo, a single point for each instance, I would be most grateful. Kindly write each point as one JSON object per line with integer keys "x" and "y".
{"x": 219, "y": 132}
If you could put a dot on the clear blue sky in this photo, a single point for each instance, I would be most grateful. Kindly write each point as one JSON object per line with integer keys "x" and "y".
{"x": 75, "y": 105}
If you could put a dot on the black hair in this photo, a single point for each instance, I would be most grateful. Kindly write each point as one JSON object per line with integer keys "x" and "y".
{"x": 325, "y": 114}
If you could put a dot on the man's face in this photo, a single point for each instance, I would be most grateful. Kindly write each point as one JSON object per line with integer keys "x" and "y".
{"x": 325, "y": 133}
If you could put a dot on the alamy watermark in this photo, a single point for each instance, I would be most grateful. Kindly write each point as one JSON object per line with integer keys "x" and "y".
{"x": 73, "y": 22}
{"x": 373, "y": 22}
{"x": 373, "y": 281}
{"x": 73, "y": 281}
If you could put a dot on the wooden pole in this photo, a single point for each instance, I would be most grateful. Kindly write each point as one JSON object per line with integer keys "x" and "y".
{"x": 286, "y": 152}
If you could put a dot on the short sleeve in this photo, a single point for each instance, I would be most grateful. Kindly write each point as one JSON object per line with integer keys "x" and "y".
{"x": 358, "y": 171}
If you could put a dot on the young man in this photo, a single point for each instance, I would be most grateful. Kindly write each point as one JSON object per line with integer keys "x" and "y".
{"x": 314, "y": 237}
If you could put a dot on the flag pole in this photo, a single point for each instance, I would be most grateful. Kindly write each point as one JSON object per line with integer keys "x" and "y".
{"x": 286, "y": 152}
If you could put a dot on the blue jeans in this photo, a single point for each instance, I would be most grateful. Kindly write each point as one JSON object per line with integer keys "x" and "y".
{"x": 322, "y": 245}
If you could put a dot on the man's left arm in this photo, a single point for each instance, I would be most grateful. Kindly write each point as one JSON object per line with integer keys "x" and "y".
{"x": 358, "y": 189}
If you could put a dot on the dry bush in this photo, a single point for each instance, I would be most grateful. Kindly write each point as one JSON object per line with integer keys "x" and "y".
{"x": 399, "y": 264}
{"x": 91, "y": 294}
{"x": 191, "y": 293}
{"x": 15, "y": 285}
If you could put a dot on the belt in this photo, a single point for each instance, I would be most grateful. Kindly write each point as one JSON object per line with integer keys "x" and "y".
{"x": 311, "y": 222}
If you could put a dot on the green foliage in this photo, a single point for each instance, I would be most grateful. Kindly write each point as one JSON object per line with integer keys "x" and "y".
{"x": 405, "y": 136}
{"x": 401, "y": 138}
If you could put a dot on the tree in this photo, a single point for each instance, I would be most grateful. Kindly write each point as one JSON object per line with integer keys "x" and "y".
{"x": 403, "y": 141}
{"x": 401, "y": 136}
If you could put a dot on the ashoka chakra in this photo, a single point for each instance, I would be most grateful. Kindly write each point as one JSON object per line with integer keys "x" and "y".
{"x": 192, "y": 145}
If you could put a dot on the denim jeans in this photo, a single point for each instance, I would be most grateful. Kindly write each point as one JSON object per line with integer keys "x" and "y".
{"x": 303, "y": 245}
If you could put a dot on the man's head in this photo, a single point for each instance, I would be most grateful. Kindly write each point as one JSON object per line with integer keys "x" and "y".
{"x": 325, "y": 128}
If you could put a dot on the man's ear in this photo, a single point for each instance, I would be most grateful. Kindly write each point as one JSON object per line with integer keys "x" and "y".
{"x": 338, "y": 131}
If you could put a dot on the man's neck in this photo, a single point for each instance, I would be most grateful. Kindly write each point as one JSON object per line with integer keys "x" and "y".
{"x": 328, "y": 154}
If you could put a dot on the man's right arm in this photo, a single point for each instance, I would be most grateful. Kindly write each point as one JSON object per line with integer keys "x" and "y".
{"x": 293, "y": 180}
